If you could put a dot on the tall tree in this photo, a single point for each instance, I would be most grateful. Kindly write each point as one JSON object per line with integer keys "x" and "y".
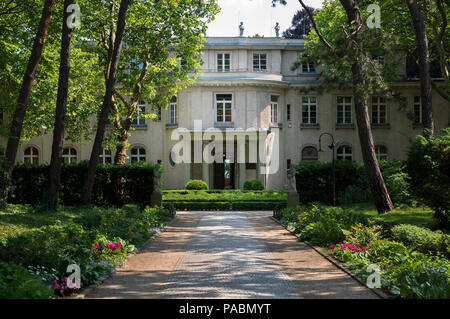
{"x": 301, "y": 25}
{"x": 424, "y": 64}
{"x": 24, "y": 96}
{"x": 348, "y": 64}
{"x": 61, "y": 108}
{"x": 106, "y": 106}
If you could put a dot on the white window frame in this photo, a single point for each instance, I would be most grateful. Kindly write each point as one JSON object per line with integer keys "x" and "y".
{"x": 259, "y": 68}
{"x": 309, "y": 104}
{"x": 223, "y": 69}
{"x": 71, "y": 158}
{"x": 381, "y": 156}
{"x": 172, "y": 112}
{"x": 138, "y": 120}
{"x": 139, "y": 156}
{"x": 31, "y": 156}
{"x": 103, "y": 156}
{"x": 216, "y": 103}
{"x": 345, "y": 105}
{"x": 274, "y": 109}
{"x": 376, "y": 107}
{"x": 310, "y": 68}
{"x": 417, "y": 104}
{"x": 344, "y": 155}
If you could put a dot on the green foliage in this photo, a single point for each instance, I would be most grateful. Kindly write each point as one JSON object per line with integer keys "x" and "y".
{"x": 114, "y": 184}
{"x": 351, "y": 182}
{"x": 363, "y": 235}
{"x": 422, "y": 239}
{"x": 196, "y": 184}
{"x": 253, "y": 184}
{"x": 17, "y": 283}
{"x": 428, "y": 165}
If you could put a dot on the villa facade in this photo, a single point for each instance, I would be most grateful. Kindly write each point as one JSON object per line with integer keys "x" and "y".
{"x": 248, "y": 83}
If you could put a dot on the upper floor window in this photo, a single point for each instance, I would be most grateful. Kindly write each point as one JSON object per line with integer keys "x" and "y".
{"x": 259, "y": 62}
{"x": 418, "y": 112}
{"x": 139, "y": 120}
{"x": 381, "y": 152}
{"x": 274, "y": 108}
{"x": 172, "y": 111}
{"x": 224, "y": 108}
{"x": 344, "y": 110}
{"x": 105, "y": 156}
{"x": 308, "y": 68}
{"x": 309, "y": 110}
{"x": 69, "y": 155}
{"x": 137, "y": 154}
{"x": 309, "y": 153}
{"x": 223, "y": 62}
{"x": 31, "y": 155}
{"x": 379, "y": 110}
{"x": 344, "y": 153}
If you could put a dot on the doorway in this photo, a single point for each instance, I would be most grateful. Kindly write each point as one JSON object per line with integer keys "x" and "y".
{"x": 224, "y": 174}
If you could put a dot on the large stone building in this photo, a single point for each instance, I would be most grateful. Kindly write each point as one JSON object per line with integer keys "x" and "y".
{"x": 249, "y": 83}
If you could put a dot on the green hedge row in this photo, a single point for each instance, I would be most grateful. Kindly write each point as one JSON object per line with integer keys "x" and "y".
{"x": 114, "y": 184}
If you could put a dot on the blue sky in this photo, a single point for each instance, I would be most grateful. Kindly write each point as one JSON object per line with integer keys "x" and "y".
{"x": 258, "y": 17}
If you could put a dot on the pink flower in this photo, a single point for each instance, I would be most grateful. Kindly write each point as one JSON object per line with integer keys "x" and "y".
{"x": 96, "y": 245}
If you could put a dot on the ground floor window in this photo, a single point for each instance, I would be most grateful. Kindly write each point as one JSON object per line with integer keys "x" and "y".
{"x": 69, "y": 155}
{"x": 106, "y": 156}
{"x": 137, "y": 154}
{"x": 345, "y": 153}
{"x": 381, "y": 152}
{"x": 31, "y": 155}
{"x": 309, "y": 153}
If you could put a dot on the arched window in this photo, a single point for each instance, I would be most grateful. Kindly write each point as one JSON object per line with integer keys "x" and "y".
{"x": 309, "y": 153}
{"x": 31, "y": 155}
{"x": 105, "y": 156}
{"x": 69, "y": 155}
{"x": 381, "y": 152}
{"x": 137, "y": 154}
{"x": 345, "y": 153}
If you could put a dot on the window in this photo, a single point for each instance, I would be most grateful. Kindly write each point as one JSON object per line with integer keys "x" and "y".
{"x": 309, "y": 153}
{"x": 308, "y": 68}
{"x": 344, "y": 153}
{"x": 137, "y": 154}
{"x": 379, "y": 110}
{"x": 259, "y": 62}
{"x": 105, "y": 156}
{"x": 344, "y": 110}
{"x": 309, "y": 110}
{"x": 223, "y": 108}
{"x": 223, "y": 62}
{"x": 31, "y": 155}
{"x": 69, "y": 155}
{"x": 274, "y": 109}
{"x": 172, "y": 112}
{"x": 418, "y": 113}
{"x": 288, "y": 112}
{"x": 158, "y": 115}
{"x": 139, "y": 120}
{"x": 381, "y": 152}
{"x": 171, "y": 161}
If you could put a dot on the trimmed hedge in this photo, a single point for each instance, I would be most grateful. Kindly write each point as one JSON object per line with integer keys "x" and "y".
{"x": 253, "y": 184}
{"x": 114, "y": 184}
{"x": 196, "y": 184}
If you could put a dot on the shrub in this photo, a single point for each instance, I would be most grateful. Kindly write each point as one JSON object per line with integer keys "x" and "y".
{"x": 114, "y": 184}
{"x": 16, "y": 282}
{"x": 422, "y": 239}
{"x": 253, "y": 184}
{"x": 428, "y": 165}
{"x": 196, "y": 184}
{"x": 363, "y": 235}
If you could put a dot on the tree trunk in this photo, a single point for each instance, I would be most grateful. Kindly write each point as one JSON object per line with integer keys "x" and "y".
{"x": 378, "y": 188}
{"x": 24, "y": 97}
{"x": 121, "y": 149}
{"x": 93, "y": 162}
{"x": 424, "y": 61}
{"x": 60, "y": 114}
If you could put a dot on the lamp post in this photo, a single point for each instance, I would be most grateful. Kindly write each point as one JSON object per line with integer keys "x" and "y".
{"x": 332, "y": 147}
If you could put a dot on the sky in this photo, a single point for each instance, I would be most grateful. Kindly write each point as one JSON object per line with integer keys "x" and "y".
{"x": 258, "y": 17}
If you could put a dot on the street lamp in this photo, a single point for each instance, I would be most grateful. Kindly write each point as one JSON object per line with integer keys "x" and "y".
{"x": 332, "y": 146}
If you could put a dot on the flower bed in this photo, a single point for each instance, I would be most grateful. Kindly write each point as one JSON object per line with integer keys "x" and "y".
{"x": 96, "y": 240}
{"x": 363, "y": 246}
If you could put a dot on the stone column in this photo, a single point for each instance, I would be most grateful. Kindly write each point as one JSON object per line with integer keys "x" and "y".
{"x": 205, "y": 173}
{"x": 187, "y": 172}
{"x": 241, "y": 175}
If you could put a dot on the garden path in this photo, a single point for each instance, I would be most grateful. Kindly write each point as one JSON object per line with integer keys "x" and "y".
{"x": 228, "y": 255}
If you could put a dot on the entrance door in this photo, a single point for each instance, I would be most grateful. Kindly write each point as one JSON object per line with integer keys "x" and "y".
{"x": 224, "y": 175}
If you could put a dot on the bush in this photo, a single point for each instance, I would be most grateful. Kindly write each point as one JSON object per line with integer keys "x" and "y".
{"x": 196, "y": 184}
{"x": 253, "y": 184}
{"x": 114, "y": 184}
{"x": 422, "y": 239}
{"x": 428, "y": 165}
{"x": 17, "y": 283}
{"x": 363, "y": 235}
